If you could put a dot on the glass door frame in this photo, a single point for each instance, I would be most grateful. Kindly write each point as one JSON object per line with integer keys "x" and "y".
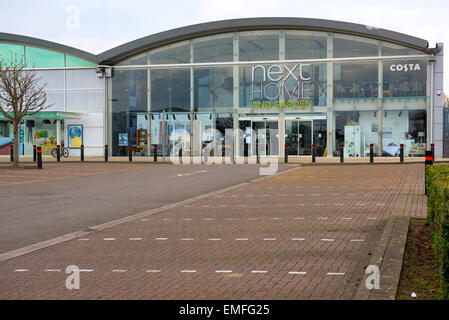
{"x": 311, "y": 135}
{"x": 253, "y": 139}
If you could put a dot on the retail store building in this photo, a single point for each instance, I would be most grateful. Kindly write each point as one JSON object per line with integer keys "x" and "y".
{"x": 312, "y": 82}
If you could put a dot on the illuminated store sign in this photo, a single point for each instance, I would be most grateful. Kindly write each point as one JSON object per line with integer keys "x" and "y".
{"x": 288, "y": 86}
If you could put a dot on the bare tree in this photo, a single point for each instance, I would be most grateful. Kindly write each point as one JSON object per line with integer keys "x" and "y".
{"x": 21, "y": 94}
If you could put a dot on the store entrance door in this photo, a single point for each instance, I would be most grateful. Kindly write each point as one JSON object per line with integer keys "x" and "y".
{"x": 298, "y": 137}
{"x": 269, "y": 145}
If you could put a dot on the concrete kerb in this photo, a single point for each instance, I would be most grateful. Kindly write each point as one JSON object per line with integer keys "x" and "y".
{"x": 388, "y": 256}
{"x": 70, "y": 236}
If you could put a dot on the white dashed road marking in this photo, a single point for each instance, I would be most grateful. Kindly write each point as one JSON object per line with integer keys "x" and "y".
{"x": 297, "y": 272}
{"x": 335, "y": 273}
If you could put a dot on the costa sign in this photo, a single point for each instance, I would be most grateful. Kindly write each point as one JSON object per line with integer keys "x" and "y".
{"x": 406, "y": 67}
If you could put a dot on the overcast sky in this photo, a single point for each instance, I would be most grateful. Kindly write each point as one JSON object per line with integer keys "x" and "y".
{"x": 103, "y": 24}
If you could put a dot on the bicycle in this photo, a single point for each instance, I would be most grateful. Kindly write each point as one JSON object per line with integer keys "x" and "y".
{"x": 64, "y": 152}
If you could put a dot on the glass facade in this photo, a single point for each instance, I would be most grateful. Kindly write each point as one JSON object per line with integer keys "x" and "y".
{"x": 262, "y": 82}
{"x": 40, "y": 58}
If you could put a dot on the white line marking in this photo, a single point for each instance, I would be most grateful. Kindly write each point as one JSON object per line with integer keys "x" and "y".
{"x": 153, "y": 271}
{"x": 205, "y": 206}
{"x": 371, "y": 218}
{"x": 135, "y": 239}
{"x": 84, "y": 239}
{"x": 269, "y": 239}
{"x": 380, "y": 204}
{"x": 259, "y": 271}
{"x": 334, "y": 194}
{"x": 298, "y": 219}
{"x": 21, "y": 270}
{"x": 231, "y": 219}
{"x": 53, "y": 270}
{"x": 166, "y": 219}
{"x": 316, "y": 194}
{"x": 297, "y": 272}
{"x": 214, "y": 239}
{"x": 187, "y": 219}
{"x": 188, "y": 271}
{"x": 109, "y": 239}
{"x": 187, "y": 239}
{"x": 118, "y": 270}
{"x": 209, "y": 219}
{"x": 346, "y": 218}
{"x": 357, "y": 240}
{"x": 161, "y": 239}
{"x": 86, "y": 270}
{"x": 241, "y": 239}
{"x": 335, "y": 273}
{"x": 298, "y": 239}
{"x": 223, "y": 271}
{"x": 327, "y": 239}
{"x": 322, "y": 218}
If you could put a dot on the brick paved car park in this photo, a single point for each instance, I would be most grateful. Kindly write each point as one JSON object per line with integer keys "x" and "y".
{"x": 308, "y": 233}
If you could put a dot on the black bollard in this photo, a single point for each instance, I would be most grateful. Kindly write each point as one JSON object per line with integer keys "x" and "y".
{"x": 155, "y": 153}
{"x": 58, "y": 153}
{"x": 130, "y": 153}
{"x": 257, "y": 154}
{"x": 401, "y": 152}
{"x": 82, "y": 152}
{"x": 371, "y": 153}
{"x": 313, "y": 154}
{"x": 106, "y": 153}
{"x": 39, "y": 158}
{"x": 11, "y": 153}
{"x": 342, "y": 154}
{"x": 180, "y": 155}
{"x": 429, "y": 158}
{"x": 286, "y": 154}
{"x": 432, "y": 148}
{"x": 428, "y": 161}
{"x": 34, "y": 153}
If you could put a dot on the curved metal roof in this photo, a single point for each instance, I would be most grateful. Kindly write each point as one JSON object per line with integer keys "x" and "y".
{"x": 197, "y": 30}
{"x": 119, "y": 53}
{"x": 24, "y": 40}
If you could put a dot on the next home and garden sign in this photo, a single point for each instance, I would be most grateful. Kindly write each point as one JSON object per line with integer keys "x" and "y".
{"x": 281, "y": 86}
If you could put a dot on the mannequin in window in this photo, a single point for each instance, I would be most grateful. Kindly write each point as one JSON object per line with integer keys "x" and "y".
{"x": 224, "y": 94}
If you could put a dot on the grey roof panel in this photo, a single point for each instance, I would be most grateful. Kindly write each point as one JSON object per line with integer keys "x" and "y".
{"x": 120, "y": 52}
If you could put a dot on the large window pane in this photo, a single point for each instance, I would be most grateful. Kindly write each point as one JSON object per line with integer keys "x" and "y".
{"x": 213, "y": 49}
{"x": 172, "y": 54}
{"x": 391, "y": 49}
{"x": 305, "y": 45}
{"x": 213, "y": 89}
{"x": 356, "y": 80}
{"x": 405, "y": 78}
{"x": 11, "y": 52}
{"x": 129, "y": 109}
{"x": 71, "y": 61}
{"x": 170, "y": 90}
{"x": 141, "y": 59}
{"x": 258, "y": 46}
{"x": 350, "y": 46}
{"x": 41, "y": 58}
